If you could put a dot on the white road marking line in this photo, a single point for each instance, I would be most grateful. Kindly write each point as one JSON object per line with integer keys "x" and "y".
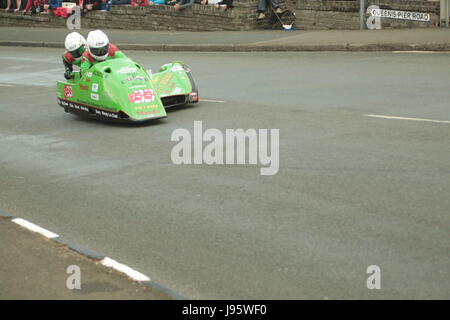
{"x": 405, "y": 118}
{"x": 212, "y": 100}
{"x": 417, "y": 51}
{"x": 35, "y": 228}
{"x": 133, "y": 274}
{"x": 107, "y": 262}
{"x": 5, "y": 85}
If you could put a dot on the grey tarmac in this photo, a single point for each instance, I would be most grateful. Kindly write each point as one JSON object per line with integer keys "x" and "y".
{"x": 352, "y": 191}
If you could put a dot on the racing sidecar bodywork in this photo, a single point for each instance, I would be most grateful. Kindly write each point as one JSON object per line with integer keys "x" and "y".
{"x": 120, "y": 89}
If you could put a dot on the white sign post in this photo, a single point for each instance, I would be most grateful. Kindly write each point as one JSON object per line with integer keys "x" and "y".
{"x": 444, "y": 16}
{"x": 362, "y": 10}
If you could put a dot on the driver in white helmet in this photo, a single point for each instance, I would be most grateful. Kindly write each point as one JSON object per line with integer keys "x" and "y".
{"x": 75, "y": 47}
{"x": 98, "y": 49}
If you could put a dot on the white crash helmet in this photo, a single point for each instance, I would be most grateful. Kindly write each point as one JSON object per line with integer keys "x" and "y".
{"x": 98, "y": 44}
{"x": 75, "y": 44}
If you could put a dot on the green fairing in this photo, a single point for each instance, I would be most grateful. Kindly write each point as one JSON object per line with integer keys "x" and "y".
{"x": 120, "y": 89}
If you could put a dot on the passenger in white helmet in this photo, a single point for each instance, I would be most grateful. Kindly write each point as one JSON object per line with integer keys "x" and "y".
{"x": 75, "y": 47}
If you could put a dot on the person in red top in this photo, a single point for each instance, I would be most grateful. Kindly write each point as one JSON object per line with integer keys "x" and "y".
{"x": 99, "y": 49}
{"x": 140, "y": 3}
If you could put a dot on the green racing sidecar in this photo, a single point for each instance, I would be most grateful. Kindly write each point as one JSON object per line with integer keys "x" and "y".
{"x": 121, "y": 90}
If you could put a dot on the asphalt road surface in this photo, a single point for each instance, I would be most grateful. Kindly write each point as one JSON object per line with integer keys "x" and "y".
{"x": 352, "y": 190}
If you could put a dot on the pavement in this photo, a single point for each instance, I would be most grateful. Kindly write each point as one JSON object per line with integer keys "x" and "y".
{"x": 352, "y": 191}
{"x": 423, "y": 39}
{"x": 33, "y": 267}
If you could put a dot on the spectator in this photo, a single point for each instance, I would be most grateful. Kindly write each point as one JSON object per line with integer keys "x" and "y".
{"x": 88, "y": 5}
{"x": 55, "y": 4}
{"x": 224, "y": 4}
{"x": 183, "y": 4}
{"x": 211, "y": 2}
{"x": 156, "y": 2}
{"x": 117, "y": 2}
{"x": 8, "y": 5}
{"x": 39, "y": 6}
{"x": 30, "y": 4}
{"x": 62, "y": 12}
{"x": 105, "y": 5}
{"x": 262, "y": 6}
{"x": 140, "y": 3}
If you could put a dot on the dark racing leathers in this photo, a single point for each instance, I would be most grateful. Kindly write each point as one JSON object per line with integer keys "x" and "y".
{"x": 68, "y": 62}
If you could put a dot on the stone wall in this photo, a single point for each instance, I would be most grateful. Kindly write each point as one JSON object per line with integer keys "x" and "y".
{"x": 196, "y": 18}
{"x": 330, "y": 14}
{"x": 311, "y": 14}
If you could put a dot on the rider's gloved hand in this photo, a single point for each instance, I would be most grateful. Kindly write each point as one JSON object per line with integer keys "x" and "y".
{"x": 68, "y": 75}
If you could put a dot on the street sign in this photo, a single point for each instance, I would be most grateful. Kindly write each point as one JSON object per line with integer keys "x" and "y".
{"x": 403, "y": 15}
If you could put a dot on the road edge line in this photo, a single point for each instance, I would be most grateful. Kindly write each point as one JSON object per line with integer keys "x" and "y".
{"x": 35, "y": 228}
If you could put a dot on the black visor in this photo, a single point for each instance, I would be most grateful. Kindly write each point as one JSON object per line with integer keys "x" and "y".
{"x": 100, "y": 51}
{"x": 77, "y": 53}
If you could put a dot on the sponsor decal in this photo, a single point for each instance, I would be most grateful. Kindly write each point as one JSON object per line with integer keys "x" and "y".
{"x": 68, "y": 93}
{"x": 126, "y": 80}
{"x": 132, "y": 77}
{"x": 152, "y": 106}
{"x": 127, "y": 70}
{"x": 79, "y": 107}
{"x": 94, "y": 96}
{"x": 74, "y": 106}
{"x": 146, "y": 113}
{"x": 177, "y": 90}
{"x": 83, "y": 87}
{"x": 98, "y": 74}
{"x": 106, "y": 114}
{"x": 166, "y": 78}
{"x": 95, "y": 87}
{"x": 139, "y": 86}
{"x": 142, "y": 96}
{"x": 89, "y": 74}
